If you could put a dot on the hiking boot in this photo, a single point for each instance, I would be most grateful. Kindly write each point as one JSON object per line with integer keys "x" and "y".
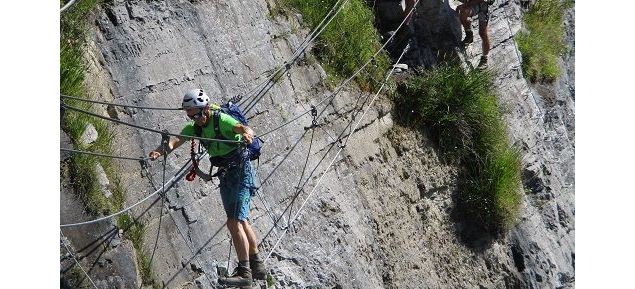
{"x": 258, "y": 271}
{"x": 240, "y": 278}
{"x": 469, "y": 37}
{"x": 482, "y": 64}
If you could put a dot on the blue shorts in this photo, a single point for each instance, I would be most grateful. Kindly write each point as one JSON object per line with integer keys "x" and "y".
{"x": 237, "y": 185}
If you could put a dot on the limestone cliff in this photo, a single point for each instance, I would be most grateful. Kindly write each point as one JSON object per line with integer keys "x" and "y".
{"x": 383, "y": 215}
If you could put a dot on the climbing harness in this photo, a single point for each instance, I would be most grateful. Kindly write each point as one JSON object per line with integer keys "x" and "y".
{"x": 252, "y": 150}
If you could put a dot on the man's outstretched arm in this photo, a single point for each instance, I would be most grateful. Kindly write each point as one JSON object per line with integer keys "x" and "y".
{"x": 173, "y": 143}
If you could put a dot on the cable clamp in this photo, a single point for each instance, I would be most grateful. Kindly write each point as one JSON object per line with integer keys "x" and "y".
{"x": 314, "y": 122}
{"x": 144, "y": 165}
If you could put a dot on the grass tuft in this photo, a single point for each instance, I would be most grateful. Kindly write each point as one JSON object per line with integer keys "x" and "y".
{"x": 133, "y": 230}
{"x": 145, "y": 266}
{"x": 270, "y": 281}
{"x": 347, "y": 42}
{"x": 461, "y": 112}
{"x": 541, "y": 43}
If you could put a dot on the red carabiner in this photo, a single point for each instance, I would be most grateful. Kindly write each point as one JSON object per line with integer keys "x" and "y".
{"x": 192, "y": 174}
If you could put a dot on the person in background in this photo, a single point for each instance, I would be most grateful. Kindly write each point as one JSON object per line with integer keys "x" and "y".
{"x": 481, "y": 8}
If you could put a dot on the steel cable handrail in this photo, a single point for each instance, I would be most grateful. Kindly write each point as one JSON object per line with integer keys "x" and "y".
{"x": 177, "y": 176}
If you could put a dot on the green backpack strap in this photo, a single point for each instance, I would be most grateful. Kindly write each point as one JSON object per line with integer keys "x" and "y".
{"x": 198, "y": 131}
{"x": 216, "y": 124}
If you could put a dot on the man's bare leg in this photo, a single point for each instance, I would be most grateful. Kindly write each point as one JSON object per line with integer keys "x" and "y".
{"x": 242, "y": 276}
{"x": 257, "y": 264}
{"x": 251, "y": 237}
{"x": 482, "y": 31}
{"x": 464, "y": 13}
{"x": 239, "y": 238}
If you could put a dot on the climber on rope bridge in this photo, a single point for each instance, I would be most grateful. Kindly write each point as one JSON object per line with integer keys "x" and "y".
{"x": 236, "y": 182}
{"x": 481, "y": 8}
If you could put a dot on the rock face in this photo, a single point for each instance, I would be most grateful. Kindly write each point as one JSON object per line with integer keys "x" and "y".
{"x": 66, "y": 143}
{"x": 382, "y": 215}
{"x": 109, "y": 261}
{"x": 102, "y": 179}
{"x": 541, "y": 123}
{"x": 89, "y": 135}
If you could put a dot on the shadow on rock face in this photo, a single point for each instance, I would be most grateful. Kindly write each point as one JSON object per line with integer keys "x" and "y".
{"x": 471, "y": 233}
{"x": 430, "y": 37}
{"x": 469, "y": 226}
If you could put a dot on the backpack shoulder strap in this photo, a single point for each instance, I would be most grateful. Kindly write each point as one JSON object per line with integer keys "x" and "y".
{"x": 216, "y": 124}
{"x": 198, "y": 131}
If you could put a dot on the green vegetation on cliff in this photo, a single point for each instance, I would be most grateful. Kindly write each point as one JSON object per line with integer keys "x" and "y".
{"x": 461, "y": 111}
{"x": 347, "y": 42}
{"x": 541, "y": 42}
{"x": 134, "y": 231}
{"x": 74, "y": 33}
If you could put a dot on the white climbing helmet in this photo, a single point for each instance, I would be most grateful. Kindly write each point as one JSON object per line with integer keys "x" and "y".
{"x": 195, "y": 98}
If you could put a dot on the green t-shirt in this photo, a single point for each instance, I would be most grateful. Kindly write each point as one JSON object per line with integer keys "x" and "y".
{"x": 215, "y": 148}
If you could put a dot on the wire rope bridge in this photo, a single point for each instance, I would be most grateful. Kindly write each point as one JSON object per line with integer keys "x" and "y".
{"x": 247, "y": 102}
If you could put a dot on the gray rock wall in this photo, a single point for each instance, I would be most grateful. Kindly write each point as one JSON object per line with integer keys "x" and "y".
{"x": 541, "y": 123}
{"x": 383, "y": 214}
